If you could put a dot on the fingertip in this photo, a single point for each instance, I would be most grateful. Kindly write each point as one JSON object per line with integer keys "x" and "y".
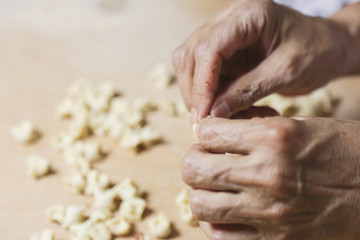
{"x": 193, "y": 116}
{"x": 221, "y": 110}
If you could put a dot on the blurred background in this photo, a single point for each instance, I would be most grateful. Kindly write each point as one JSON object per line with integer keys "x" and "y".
{"x": 45, "y": 46}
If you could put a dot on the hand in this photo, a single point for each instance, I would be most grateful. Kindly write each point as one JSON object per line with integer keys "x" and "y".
{"x": 252, "y": 48}
{"x": 286, "y": 178}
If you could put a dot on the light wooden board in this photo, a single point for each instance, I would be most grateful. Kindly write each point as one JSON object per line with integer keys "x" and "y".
{"x": 45, "y": 46}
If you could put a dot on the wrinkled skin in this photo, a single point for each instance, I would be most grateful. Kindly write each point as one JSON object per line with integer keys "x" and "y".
{"x": 290, "y": 179}
{"x": 252, "y": 48}
{"x": 285, "y": 179}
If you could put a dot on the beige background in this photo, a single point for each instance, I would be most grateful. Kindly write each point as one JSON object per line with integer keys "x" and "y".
{"x": 44, "y": 47}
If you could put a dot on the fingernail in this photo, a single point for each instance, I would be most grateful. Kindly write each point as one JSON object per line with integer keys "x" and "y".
{"x": 193, "y": 116}
{"x": 196, "y": 131}
{"x": 221, "y": 110}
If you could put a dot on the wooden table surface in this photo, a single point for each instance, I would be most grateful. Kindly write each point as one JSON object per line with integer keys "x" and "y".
{"x": 45, "y": 46}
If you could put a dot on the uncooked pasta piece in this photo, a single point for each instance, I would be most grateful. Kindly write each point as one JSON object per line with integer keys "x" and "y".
{"x": 43, "y": 235}
{"x": 24, "y": 132}
{"x": 56, "y": 213}
{"x": 37, "y": 166}
{"x": 73, "y": 215}
{"x": 159, "y": 226}
{"x": 99, "y": 231}
{"x": 118, "y": 226}
{"x": 132, "y": 209}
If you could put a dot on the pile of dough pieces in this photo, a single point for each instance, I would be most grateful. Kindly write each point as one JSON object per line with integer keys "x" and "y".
{"x": 316, "y": 104}
{"x": 105, "y": 220}
{"x": 97, "y": 110}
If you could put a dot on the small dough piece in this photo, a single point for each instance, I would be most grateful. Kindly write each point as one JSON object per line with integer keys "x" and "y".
{"x": 99, "y": 232}
{"x": 62, "y": 141}
{"x": 168, "y": 107}
{"x": 56, "y": 213}
{"x": 38, "y": 166}
{"x": 126, "y": 189}
{"x": 73, "y": 215}
{"x": 132, "y": 209}
{"x": 181, "y": 109}
{"x": 104, "y": 199}
{"x": 187, "y": 216}
{"x": 78, "y": 164}
{"x": 159, "y": 226}
{"x": 120, "y": 106}
{"x": 75, "y": 183}
{"x": 283, "y": 105}
{"x": 43, "y": 235}
{"x": 118, "y": 226}
{"x": 80, "y": 231}
{"x": 133, "y": 118}
{"x": 143, "y": 105}
{"x": 79, "y": 126}
{"x": 116, "y": 129}
{"x": 98, "y": 97}
{"x": 130, "y": 140}
{"x": 90, "y": 151}
{"x": 183, "y": 202}
{"x": 100, "y": 215}
{"x": 69, "y": 107}
{"x": 24, "y": 132}
{"x": 161, "y": 76}
{"x": 148, "y": 136}
{"x": 95, "y": 181}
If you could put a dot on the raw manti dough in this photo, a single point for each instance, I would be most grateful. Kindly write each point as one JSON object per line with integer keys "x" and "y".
{"x": 80, "y": 231}
{"x": 99, "y": 231}
{"x": 126, "y": 189}
{"x": 132, "y": 209}
{"x": 96, "y": 181}
{"x": 94, "y": 109}
{"x": 37, "y": 166}
{"x": 75, "y": 183}
{"x": 104, "y": 199}
{"x": 161, "y": 76}
{"x": 100, "y": 215}
{"x": 183, "y": 202}
{"x": 73, "y": 215}
{"x": 318, "y": 103}
{"x": 159, "y": 226}
{"x": 24, "y": 132}
{"x": 43, "y": 235}
{"x": 118, "y": 226}
{"x": 56, "y": 213}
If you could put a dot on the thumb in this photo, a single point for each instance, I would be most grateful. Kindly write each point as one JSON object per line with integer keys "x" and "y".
{"x": 268, "y": 77}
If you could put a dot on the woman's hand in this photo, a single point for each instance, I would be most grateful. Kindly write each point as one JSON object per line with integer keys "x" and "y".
{"x": 252, "y": 48}
{"x": 283, "y": 179}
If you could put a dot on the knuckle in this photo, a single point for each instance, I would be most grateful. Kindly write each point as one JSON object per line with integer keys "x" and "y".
{"x": 281, "y": 131}
{"x": 207, "y": 134}
{"x": 280, "y": 214}
{"x": 197, "y": 206}
{"x": 178, "y": 57}
{"x": 203, "y": 49}
{"x": 277, "y": 180}
{"x": 187, "y": 166}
